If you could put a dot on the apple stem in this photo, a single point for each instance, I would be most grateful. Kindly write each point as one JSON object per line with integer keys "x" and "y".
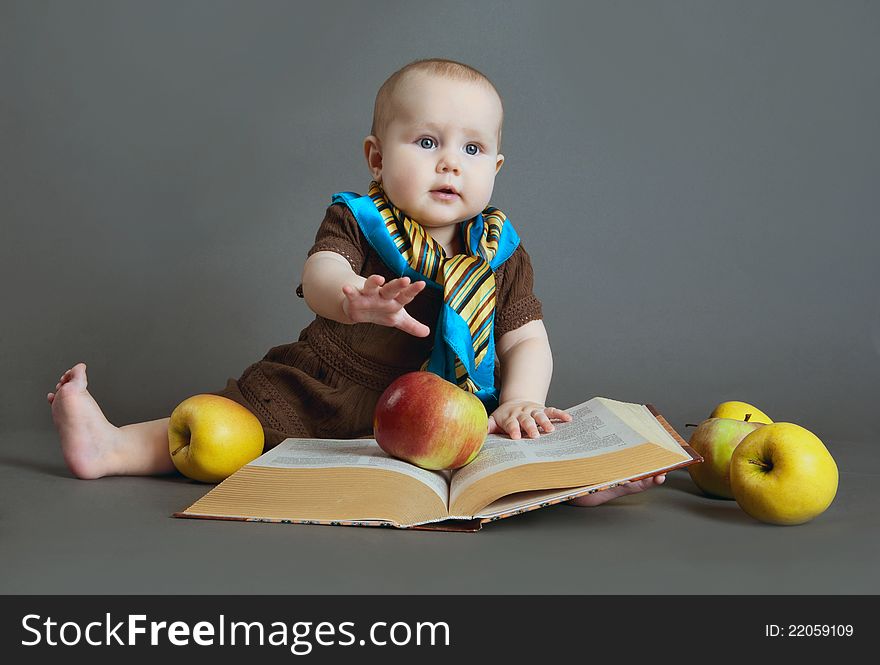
{"x": 748, "y": 415}
{"x": 179, "y": 448}
{"x": 690, "y": 425}
{"x": 761, "y": 464}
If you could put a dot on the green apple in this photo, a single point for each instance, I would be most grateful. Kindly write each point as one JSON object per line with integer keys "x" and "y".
{"x": 210, "y": 437}
{"x": 783, "y": 474}
{"x": 715, "y": 440}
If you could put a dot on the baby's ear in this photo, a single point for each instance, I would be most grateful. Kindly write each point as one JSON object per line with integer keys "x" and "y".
{"x": 498, "y": 162}
{"x": 373, "y": 153}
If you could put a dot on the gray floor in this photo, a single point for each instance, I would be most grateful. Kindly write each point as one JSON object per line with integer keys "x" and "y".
{"x": 116, "y": 536}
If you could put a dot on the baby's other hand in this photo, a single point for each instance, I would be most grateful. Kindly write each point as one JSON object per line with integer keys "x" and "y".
{"x": 383, "y": 304}
{"x": 524, "y": 417}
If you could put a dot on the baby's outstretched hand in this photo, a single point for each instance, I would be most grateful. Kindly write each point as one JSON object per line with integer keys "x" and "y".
{"x": 516, "y": 418}
{"x": 383, "y": 304}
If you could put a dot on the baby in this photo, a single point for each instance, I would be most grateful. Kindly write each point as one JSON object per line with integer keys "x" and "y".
{"x": 418, "y": 274}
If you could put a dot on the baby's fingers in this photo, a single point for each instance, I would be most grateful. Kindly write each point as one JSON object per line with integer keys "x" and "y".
{"x": 529, "y": 426}
{"x": 558, "y": 414}
{"x": 542, "y": 419}
{"x": 401, "y": 290}
{"x": 415, "y": 328}
{"x": 407, "y": 294}
{"x": 511, "y": 426}
{"x": 371, "y": 286}
{"x": 394, "y": 288}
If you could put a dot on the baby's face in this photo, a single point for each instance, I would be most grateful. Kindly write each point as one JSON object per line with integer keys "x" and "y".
{"x": 439, "y": 153}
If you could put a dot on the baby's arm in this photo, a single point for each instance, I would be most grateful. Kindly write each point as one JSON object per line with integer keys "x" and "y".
{"x": 526, "y": 368}
{"x": 333, "y": 290}
{"x": 324, "y": 275}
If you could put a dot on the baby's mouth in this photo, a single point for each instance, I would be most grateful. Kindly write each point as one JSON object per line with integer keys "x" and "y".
{"x": 445, "y": 193}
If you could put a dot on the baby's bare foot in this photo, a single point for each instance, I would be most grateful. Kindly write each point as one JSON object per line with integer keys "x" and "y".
{"x": 607, "y": 495}
{"x": 88, "y": 439}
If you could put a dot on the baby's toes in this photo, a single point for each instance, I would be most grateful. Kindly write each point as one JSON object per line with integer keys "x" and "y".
{"x": 647, "y": 483}
{"x": 638, "y": 486}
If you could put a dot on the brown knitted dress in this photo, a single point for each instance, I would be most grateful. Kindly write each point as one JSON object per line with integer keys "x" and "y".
{"x": 326, "y": 384}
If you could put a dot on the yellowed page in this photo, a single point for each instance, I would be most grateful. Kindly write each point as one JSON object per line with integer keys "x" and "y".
{"x": 522, "y": 502}
{"x": 335, "y": 494}
{"x": 525, "y": 501}
{"x": 363, "y": 453}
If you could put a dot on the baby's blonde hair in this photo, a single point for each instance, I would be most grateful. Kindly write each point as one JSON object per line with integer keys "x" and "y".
{"x": 440, "y": 67}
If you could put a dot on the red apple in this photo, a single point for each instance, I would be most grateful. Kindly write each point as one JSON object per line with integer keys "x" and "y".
{"x": 423, "y": 419}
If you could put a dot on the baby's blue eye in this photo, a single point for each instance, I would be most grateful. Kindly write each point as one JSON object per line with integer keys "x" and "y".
{"x": 427, "y": 143}
{"x": 472, "y": 148}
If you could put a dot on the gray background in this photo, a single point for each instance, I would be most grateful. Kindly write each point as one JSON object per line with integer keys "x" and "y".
{"x": 696, "y": 183}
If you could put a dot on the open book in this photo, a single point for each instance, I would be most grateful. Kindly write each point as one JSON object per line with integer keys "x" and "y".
{"x": 354, "y": 482}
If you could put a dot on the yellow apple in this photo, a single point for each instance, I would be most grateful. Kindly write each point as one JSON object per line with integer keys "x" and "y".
{"x": 740, "y": 411}
{"x": 715, "y": 440}
{"x": 783, "y": 474}
{"x": 210, "y": 437}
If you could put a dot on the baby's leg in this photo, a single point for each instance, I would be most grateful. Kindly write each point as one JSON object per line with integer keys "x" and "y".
{"x": 92, "y": 446}
{"x": 607, "y": 495}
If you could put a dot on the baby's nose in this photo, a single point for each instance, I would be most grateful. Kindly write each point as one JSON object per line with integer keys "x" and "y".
{"x": 448, "y": 164}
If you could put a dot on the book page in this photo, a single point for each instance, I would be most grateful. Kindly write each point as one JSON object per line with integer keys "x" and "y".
{"x": 594, "y": 430}
{"x": 521, "y": 502}
{"x": 346, "y": 453}
{"x": 641, "y": 418}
